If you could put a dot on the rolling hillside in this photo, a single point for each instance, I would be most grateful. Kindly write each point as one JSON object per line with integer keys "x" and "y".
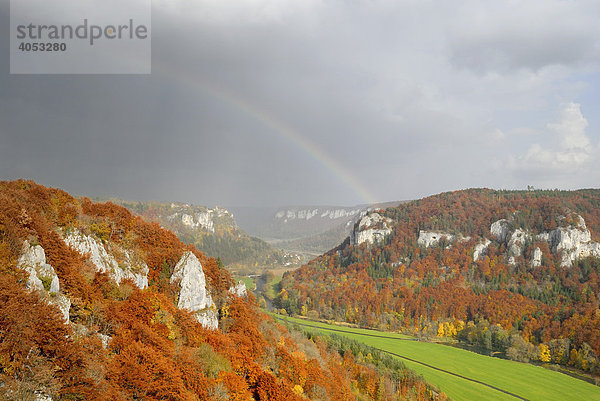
{"x": 514, "y": 272}
{"x": 98, "y": 304}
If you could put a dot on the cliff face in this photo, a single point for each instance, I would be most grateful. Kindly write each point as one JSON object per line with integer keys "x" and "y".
{"x": 193, "y": 294}
{"x": 88, "y": 246}
{"x": 371, "y": 228}
{"x": 573, "y": 242}
{"x": 42, "y": 277}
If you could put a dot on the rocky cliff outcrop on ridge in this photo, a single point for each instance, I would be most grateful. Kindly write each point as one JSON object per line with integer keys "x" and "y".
{"x": 371, "y": 228}
{"x": 194, "y": 295}
{"x": 573, "y": 241}
{"x": 105, "y": 262}
{"x": 42, "y": 277}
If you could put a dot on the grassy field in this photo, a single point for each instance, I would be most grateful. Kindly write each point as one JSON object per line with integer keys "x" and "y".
{"x": 524, "y": 380}
{"x": 249, "y": 281}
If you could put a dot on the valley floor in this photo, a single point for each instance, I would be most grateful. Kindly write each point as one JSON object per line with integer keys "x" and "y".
{"x": 461, "y": 374}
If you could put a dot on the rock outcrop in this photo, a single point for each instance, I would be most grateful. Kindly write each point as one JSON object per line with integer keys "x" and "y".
{"x": 536, "y": 258}
{"x": 500, "y": 230}
{"x": 42, "y": 277}
{"x": 432, "y": 238}
{"x": 307, "y": 214}
{"x": 239, "y": 289}
{"x": 203, "y": 219}
{"x": 193, "y": 294}
{"x": 371, "y": 228}
{"x": 574, "y": 242}
{"x": 480, "y": 249}
{"x": 105, "y": 262}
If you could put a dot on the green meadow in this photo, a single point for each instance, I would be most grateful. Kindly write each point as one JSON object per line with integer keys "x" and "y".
{"x": 523, "y": 380}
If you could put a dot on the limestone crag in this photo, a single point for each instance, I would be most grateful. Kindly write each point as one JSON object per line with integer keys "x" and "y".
{"x": 203, "y": 219}
{"x": 432, "y": 238}
{"x": 105, "y": 262}
{"x": 42, "y": 277}
{"x": 239, "y": 289}
{"x": 480, "y": 249}
{"x": 501, "y": 229}
{"x": 371, "y": 228}
{"x": 516, "y": 242}
{"x": 307, "y": 214}
{"x": 193, "y": 294}
{"x": 33, "y": 261}
{"x": 573, "y": 241}
{"x": 536, "y": 258}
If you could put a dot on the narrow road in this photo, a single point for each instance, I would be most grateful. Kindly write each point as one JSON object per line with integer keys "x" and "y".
{"x": 406, "y": 358}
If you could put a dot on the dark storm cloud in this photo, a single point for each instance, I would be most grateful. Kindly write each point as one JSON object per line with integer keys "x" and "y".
{"x": 409, "y": 98}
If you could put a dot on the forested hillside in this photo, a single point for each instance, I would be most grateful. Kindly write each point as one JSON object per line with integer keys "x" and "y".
{"x": 515, "y": 272}
{"x": 214, "y": 232}
{"x": 97, "y": 304}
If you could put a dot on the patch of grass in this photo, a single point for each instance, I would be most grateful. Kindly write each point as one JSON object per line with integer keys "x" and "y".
{"x": 272, "y": 287}
{"x": 525, "y": 380}
{"x": 249, "y": 281}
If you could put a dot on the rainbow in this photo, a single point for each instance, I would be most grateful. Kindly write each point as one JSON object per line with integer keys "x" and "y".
{"x": 276, "y": 126}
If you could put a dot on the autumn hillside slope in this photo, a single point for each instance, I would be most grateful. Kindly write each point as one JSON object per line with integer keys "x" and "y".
{"x": 510, "y": 272}
{"x": 96, "y": 303}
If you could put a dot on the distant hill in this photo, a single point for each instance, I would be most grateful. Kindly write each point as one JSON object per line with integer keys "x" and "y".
{"x": 302, "y": 228}
{"x": 478, "y": 265}
{"x": 215, "y": 232}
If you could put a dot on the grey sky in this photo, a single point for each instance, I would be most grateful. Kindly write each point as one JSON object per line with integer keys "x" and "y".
{"x": 321, "y": 102}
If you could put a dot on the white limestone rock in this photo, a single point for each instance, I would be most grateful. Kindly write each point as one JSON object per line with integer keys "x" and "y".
{"x": 575, "y": 243}
{"x": 105, "y": 262}
{"x": 536, "y": 258}
{"x": 516, "y": 242}
{"x": 239, "y": 289}
{"x": 33, "y": 261}
{"x": 433, "y": 238}
{"x": 194, "y": 296}
{"x": 371, "y": 228}
{"x": 64, "y": 305}
{"x": 204, "y": 220}
{"x": 105, "y": 339}
{"x": 480, "y": 249}
{"x": 500, "y": 230}
{"x": 307, "y": 214}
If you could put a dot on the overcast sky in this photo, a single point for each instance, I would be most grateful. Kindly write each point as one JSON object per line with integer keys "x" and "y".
{"x": 256, "y": 102}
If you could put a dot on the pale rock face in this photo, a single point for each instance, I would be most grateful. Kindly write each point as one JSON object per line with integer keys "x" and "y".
{"x": 104, "y": 262}
{"x": 194, "y": 295}
{"x": 536, "y": 258}
{"x": 307, "y": 214}
{"x": 105, "y": 339}
{"x": 515, "y": 244}
{"x": 372, "y": 228}
{"x": 500, "y": 229}
{"x": 480, "y": 249}
{"x": 64, "y": 305}
{"x": 239, "y": 289}
{"x": 33, "y": 261}
{"x": 201, "y": 219}
{"x": 432, "y": 238}
{"x": 575, "y": 243}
